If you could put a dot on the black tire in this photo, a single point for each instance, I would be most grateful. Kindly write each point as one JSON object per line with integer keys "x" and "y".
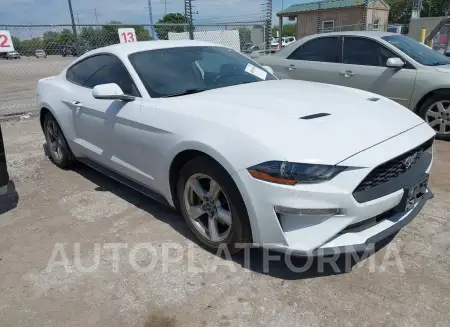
{"x": 67, "y": 159}
{"x": 240, "y": 232}
{"x": 439, "y": 96}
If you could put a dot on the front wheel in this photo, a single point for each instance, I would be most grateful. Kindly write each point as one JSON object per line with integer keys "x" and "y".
{"x": 212, "y": 206}
{"x": 57, "y": 146}
{"x": 436, "y": 112}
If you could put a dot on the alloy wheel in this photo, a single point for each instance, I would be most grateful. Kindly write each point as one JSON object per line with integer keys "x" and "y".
{"x": 438, "y": 117}
{"x": 207, "y": 207}
{"x": 55, "y": 139}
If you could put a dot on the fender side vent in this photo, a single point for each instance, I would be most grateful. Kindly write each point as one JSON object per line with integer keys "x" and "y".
{"x": 313, "y": 116}
{"x": 373, "y": 99}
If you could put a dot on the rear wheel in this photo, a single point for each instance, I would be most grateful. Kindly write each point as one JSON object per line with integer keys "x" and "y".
{"x": 58, "y": 148}
{"x": 212, "y": 206}
{"x": 436, "y": 112}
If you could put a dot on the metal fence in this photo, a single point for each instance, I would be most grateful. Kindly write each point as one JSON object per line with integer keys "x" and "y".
{"x": 45, "y": 50}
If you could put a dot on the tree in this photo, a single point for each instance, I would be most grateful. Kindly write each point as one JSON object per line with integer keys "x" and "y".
{"x": 288, "y": 30}
{"x": 29, "y": 46}
{"x": 400, "y": 12}
{"x": 51, "y": 42}
{"x": 110, "y": 36}
{"x": 172, "y": 18}
{"x": 245, "y": 36}
{"x": 16, "y": 43}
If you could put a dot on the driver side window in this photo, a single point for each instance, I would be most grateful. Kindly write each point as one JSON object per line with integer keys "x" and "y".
{"x": 362, "y": 51}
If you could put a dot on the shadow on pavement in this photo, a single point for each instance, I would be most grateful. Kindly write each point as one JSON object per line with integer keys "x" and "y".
{"x": 9, "y": 200}
{"x": 255, "y": 259}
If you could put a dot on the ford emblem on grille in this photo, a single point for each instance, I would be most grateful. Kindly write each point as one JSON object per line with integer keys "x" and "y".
{"x": 408, "y": 161}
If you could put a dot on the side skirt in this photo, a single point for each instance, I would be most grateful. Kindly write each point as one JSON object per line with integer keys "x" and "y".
{"x": 120, "y": 178}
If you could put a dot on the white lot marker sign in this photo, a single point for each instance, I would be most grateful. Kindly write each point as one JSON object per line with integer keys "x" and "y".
{"x": 127, "y": 35}
{"x": 6, "y": 43}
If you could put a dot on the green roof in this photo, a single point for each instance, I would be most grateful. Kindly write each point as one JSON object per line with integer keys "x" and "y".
{"x": 311, "y": 6}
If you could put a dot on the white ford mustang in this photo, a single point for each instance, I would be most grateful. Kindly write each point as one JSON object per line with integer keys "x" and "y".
{"x": 315, "y": 168}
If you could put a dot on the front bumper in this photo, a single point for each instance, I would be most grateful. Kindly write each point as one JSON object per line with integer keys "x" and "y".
{"x": 358, "y": 226}
{"x": 362, "y": 238}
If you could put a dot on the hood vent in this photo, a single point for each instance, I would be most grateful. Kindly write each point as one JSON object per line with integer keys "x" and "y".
{"x": 373, "y": 99}
{"x": 313, "y": 116}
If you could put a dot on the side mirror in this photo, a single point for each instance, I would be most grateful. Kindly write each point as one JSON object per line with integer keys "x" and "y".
{"x": 269, "y": 69}
{"x": 395, "y": 63}
{"x": 110, "y": 91}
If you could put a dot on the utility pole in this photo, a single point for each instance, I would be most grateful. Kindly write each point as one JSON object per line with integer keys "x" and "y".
{"x": 269, "y": 21}
{"x": 96, "y": 15}
{"x": 150, "y": 16}
{"x": 74, "y": 29}
{"x": 78, "y": 18}
{"x": 188, "y": 16}
{"x": 165, "y": 7}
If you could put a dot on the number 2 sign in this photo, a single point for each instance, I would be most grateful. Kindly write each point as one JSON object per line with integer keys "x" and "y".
{"x": 127, "y": 35}
{"x": 6, "y": 43}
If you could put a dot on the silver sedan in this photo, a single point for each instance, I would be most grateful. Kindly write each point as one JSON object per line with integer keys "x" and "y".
{"x": 388, "y": 64}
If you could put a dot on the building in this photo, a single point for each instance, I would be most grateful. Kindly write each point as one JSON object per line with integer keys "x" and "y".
{"x": 337, "y": 15}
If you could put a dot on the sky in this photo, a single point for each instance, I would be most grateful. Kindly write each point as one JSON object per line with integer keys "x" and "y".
{"x": 18, "y": 12}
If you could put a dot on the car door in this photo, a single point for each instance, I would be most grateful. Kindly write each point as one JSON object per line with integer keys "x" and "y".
{"x": 107, "y": 130}
{"x": 317, "y": 60}
{"x": 364, "y": 67}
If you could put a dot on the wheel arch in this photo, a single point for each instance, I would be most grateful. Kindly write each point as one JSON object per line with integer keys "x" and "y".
{"x": 429, "y": 95}
{"x": 188, "y": 152}
{"x": 46, "y": 108}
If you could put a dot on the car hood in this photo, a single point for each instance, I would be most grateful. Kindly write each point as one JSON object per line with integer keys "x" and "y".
{"x": 443, "y": 68}
{"x": 271, "y": 112}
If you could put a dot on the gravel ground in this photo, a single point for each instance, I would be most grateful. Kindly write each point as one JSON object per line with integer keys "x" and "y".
{"x": 19, "y": 78}
{"x": 405, "y": 283}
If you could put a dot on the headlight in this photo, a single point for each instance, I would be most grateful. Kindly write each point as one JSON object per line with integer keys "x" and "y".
{"x": 290, "y": 173}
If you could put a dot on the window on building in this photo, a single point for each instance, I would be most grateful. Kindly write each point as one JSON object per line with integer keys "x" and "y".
{"x": 375, "y": 24}
{"x": 328, "y": 26}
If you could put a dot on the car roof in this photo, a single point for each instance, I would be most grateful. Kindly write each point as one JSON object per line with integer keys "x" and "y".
{"x": 125, "y": 49}
{"x": 371, "y": 34}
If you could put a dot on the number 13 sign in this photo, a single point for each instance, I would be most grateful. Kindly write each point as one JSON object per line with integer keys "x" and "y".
{"x": 127, "y": 35}
{"x": 6, "y": 43}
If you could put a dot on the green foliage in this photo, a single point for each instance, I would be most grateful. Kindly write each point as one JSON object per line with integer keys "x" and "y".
{"x": 288, "y": 30}
{"x": 173, "y": 18}
{"x": 400, "y": 12}
{"x": 88, "y": 37}
{"x": 245, "y": 36}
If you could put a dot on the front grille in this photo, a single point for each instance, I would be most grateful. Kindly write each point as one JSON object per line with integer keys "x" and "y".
{"x": 394, "y": 167}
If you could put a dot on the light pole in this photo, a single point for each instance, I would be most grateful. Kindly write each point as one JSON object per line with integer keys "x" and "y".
{"x": 74, "y": 29}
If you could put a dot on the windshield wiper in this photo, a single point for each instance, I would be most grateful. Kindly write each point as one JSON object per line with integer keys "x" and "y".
{"x": 186, "y": 92}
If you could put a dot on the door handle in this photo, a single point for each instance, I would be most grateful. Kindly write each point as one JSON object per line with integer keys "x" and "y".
{"x": 77, "y": 103}
{"x": 291, "y": 67}
{"x": 347, "y": 73}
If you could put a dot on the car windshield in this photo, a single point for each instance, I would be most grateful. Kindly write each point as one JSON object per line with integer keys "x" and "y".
{"x": 417, "y": 51}
{"x": 187, "y": 70}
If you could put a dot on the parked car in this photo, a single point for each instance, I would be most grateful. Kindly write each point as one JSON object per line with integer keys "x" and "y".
{"x": 71, "y": 50}
{"x": 397, "y": 28}
{"x": 288, "y": 40}
{"x": 249, "y": 48}
{"x": 40, "y": 54}
{"x": 388, "y": 64}
{"x": 290, "y": 165}
{"x": 10, "y": 55}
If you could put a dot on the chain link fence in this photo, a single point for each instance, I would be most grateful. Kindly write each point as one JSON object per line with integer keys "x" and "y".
{"x": 45, "y": 50}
